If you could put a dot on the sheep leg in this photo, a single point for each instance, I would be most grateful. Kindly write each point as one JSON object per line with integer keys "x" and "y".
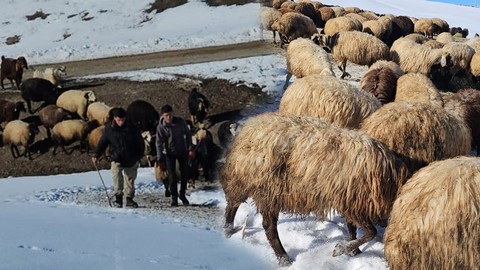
{"x": 287, "y": 80}
{"x": 230, "y": 212}
{"x": 29, "y": 106}
{"x": 343, "y": 68}
{"x": 274, "y": 35}
{"x": 352, "y": 230}
{"x": 1, "y": 82}
{"x": 270, "y": 221}
{"x": 351, "y": 248}
{"x": 14, "y": 150}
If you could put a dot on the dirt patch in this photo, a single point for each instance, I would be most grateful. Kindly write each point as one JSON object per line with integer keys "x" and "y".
{"x": 36, "y": 15}
{"x": 215, "y": 3}
{"x": 161, "y": 5}
{"x": 224, "y": 97}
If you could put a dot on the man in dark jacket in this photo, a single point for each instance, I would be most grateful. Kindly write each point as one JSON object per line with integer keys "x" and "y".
{"x": 174, "y": 143}
{"x": 126, "y": 149}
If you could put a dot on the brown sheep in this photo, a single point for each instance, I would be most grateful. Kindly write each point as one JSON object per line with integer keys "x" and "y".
{"x": 70, "y": 131}
{"x": 10, "y": 111}
{"x": 294, "y": 25}
{"x": 51, "y": 115}
{"x": 303, "y": 165}
{"x": 435, "y": 221}
{"x": 419, "y": 133}
{"x": 380, "y": 82}
{"x": 12, "y": 69}
{"x": 94, "y": 138}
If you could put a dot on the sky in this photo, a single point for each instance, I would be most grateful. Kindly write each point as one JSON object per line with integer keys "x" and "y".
{"x": 64, "y": 222}
{"x": 459, "y": 2}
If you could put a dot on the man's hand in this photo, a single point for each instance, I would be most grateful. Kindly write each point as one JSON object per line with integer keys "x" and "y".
{"x": 94, "y": 160}
{"x": 191, "y": 154}
{"x": 161, "y": 165}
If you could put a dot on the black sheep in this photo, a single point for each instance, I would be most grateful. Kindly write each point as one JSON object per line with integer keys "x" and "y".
{"x": 10, "y": 110}
{"x": 12, "y": 69}
{"x": 36, "y": 89}
{"x": 198, "y": 106}
{"x": 144, "y": 115}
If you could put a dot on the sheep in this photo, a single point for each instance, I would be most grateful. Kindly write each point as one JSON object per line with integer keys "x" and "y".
{"x": 442, "y": 25}
{"x": 206, "y": 154}
{"x": 94, "y": 138}
{"x": 357, "y": 17}
{"x": 143, "y": 115}
{"x": 51, "y": 115}
{"x": 329, "y": 99}
{"x": 466, "y": 104}
{"x": 461, "y": 54}
{"x": 226, "y": 132}
{"x": 267, "y": 17}
{"x": 309, "y": 10}
{"x": 277, "y": 3}
{"x": 458, "y": 30}
{"x": 198, "y": 106}
{"x": 76, "y": 101}
{"x": 475, "y": 66}
{"x": 419, "y": 133}
{"x": 304, "y": 58}
{"x": 326, "y": 13}
{"x": 373, "y": 27}
{"x": 416, "y": 87}
{"x": 474, "y": 43}
{"x": 10, "y": 111}
{"x": 339, "y": 11}
{"x": 12, "y": 69}
{"x": 380, "y": 82}
{"x": 54, "y": 75}
{"x": 288, "y": 5}
{"x": 341, "y": 24}
{"x": 36, "y": 89}
{"x": 303, "y": 165}
{"x": 434, "y": 44}
{"x": 69, "y": 131}
{"x": 426, "y": 27}
{"x": 389, "y": 64}
{"x": 417, "y": 58}
{"x": 356, "y": 47}
{"x": 401, "y": 26}
{"x": 293, "y": 25}
{"x": 19, "y": 133}
{"x": 369, "y": 15}
{"x": 98, "y": 111}
{"x": 445, "y": 38}
{"x": 435, "y": 219}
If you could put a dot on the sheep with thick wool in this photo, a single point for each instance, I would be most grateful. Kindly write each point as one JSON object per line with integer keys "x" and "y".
{"x": 401, "y": 26}
{"x": 329, "y": 99}
{"x": 475, "y": 66}
{"x": 304, "y": 58}
{"x": 419, "y": 133}
{"x": 435, "y": 221}
{"x": 381, "y": 80}
{"x": 417, "y": 58}
{"x": 76, "y": 101}
{"x": 267, "y": 17}
{"x": 357, "y": 47}
{"x": 426, "y": 27}
{"x": 303, "y": 165}
{"x": 69, "y": 131}
{"x": 294, "y": 25}
{"x": 416, "y": 87}
{"x": 94, "y": 138}
{"x": 19, "y": 133}
{"x": 55, "y": 75}
{"x": 466, "y": 104}
{"x": 98, "y": 111}
{"x": 461, "y": 54}
{"x": 341, "y": 24}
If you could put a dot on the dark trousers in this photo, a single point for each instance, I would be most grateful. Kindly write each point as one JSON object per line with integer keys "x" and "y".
{"x": 183, "y": 165}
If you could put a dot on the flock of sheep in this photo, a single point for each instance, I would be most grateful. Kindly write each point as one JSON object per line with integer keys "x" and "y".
{"x": 392, "y": 146}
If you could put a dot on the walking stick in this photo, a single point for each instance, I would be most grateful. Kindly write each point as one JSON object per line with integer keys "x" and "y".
{"x": 104, "y": 186}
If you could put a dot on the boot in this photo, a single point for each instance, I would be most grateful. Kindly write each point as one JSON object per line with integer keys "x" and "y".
{"x": 174, "y": 201}
{"x": 167, "y": 193}
{"x": 184, "y": 199}
{"x": 131, "y": 203}
{"x": 118, "y": 203}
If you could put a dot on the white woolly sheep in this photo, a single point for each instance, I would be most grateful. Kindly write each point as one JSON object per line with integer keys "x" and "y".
{"x": 55, "y": 75}
{"x": 329, "y": 99}
{"x": 417, "y": 58}
{"x": 380, "y": 82}
{"x": 267, "y": 17}
{"x": 435, "y": 220}
{"x": 461, "y": 54}
{"x": 445, "y": 38}
{"x": 474, "y": 43}
{"x": 356, "y": 16}
{"x": 339, "y": 11}
{"x": 373, "y": 27}
{"x": 294, "y": 25}
{"x": 341, "y": 24}
{"x": 303, "y": 165}
{"x": 98, "y": 111}
{"x": 370, "y": 15}
{"x": 475, "y": 66}
{"x": 357, "y": 47}
{"x": 419, "y": 133}
{"x": 416, "y": 87}
{"x": 69, "y": 131}
{"x": 19, "y": 133}
{"x": 304, "y": 58}
{"x": 51, "y": 115}
{"x": 76, "y": 101}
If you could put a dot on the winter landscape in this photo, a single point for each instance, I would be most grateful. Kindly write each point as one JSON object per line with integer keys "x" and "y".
{"x": 64, "y": 221}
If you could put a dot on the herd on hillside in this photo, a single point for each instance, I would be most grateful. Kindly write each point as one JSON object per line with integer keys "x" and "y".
{"x": 395, "y": 147}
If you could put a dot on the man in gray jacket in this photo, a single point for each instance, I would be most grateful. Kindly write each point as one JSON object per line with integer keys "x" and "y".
{"x": 174, "y": 143}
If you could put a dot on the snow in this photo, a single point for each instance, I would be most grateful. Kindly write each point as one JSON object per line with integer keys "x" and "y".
{"x": 44, "y": 223}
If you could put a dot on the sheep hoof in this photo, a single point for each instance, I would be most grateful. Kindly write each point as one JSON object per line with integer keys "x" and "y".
{"x": 229, "y": 230}
{"x": 344, "y": 248}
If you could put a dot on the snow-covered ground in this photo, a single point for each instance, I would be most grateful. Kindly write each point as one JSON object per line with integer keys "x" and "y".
{"x": 44, "y": 223}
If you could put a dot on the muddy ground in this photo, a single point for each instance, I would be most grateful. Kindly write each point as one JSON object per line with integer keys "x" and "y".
{"x": 223, "y": 96}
